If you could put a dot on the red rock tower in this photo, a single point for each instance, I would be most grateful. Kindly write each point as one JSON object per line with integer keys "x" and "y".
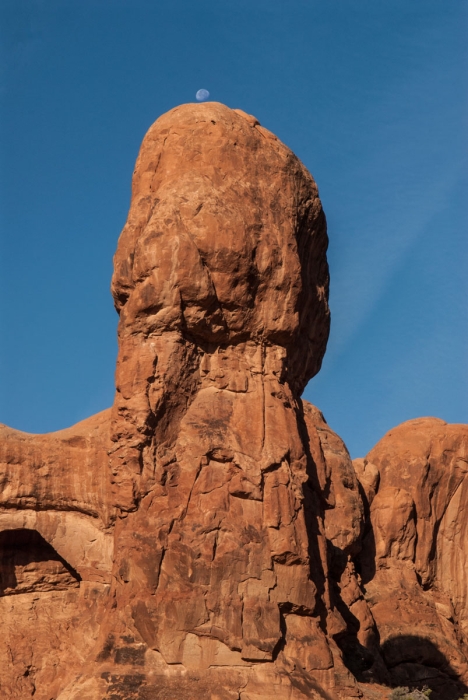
{"x": 221, "y": 283}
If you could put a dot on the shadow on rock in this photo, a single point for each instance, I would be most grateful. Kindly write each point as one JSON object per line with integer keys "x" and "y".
{"x": 415, "y": 662}
{"x": 29, "y": 563}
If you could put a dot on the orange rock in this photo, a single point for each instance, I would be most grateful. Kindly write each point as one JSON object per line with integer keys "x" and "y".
{"x": 414, "y": 561}
{"x": 209, "y": 536}
{"x": 209, "y": 463}
{"x": 56, "y": 554}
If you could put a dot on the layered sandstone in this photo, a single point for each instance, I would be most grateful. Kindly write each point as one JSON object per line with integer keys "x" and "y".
{"x": 56, "y": 553}
{"x": 209, "y": 536}
{"x": 414, "y": 560}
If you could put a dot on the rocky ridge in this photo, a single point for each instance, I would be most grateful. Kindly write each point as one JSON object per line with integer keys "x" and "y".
{"x": 209, "y": 536}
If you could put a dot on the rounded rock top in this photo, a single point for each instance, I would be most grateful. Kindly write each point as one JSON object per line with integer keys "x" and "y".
{"x": 225, "y": 239}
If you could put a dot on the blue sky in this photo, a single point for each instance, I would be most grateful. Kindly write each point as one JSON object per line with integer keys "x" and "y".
{"x": 370, "y": 94}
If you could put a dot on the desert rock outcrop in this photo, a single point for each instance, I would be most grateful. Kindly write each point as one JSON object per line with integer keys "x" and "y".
{"x": 414, "y": 561}
{"x": 56, "y": 553}
{"x": 209, "y": 536}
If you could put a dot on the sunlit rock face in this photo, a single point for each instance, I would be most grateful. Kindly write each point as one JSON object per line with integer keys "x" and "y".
{"x": 221, "y": 283}
{"x": 208, "y": 536}
{"x": 56, "y": 553}
{"x": 220, "y": 275}
{"x": 414, "y": 562}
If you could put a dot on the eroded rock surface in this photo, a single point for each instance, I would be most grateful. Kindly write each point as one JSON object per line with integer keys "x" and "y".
{"x": 56, "y": 553}
{"x": 414, "y": 560}
{"x": 221, "y": 283}
{"x": 209, "y": 536}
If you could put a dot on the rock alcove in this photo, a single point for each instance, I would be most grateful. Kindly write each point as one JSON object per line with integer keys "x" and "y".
{"x": 30, "y": 564}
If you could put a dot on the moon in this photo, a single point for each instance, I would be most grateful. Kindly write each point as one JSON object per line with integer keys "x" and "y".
{"x": 202, "y": 95}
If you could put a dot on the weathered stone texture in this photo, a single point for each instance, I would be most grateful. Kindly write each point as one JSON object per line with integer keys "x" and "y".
{"x": 209, "y": 536}
{"x": 56, "y": 553}
{"x": 414, "y": 560}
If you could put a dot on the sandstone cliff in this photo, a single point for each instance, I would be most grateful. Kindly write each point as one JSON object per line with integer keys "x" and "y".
{"x": 209, "y": 536}
{"x": 414, "y": 558}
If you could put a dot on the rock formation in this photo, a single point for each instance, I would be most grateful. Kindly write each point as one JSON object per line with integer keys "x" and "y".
{"x": 56, "y": 550}
{"x": 414, "y": 559}
{"x": 209, "y": 536}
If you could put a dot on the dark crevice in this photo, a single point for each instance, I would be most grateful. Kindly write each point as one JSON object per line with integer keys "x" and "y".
{"x": 29, "y": 563}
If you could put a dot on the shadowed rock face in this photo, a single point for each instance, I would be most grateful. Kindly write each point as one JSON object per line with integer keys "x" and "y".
{"x": 208, "y": 535}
